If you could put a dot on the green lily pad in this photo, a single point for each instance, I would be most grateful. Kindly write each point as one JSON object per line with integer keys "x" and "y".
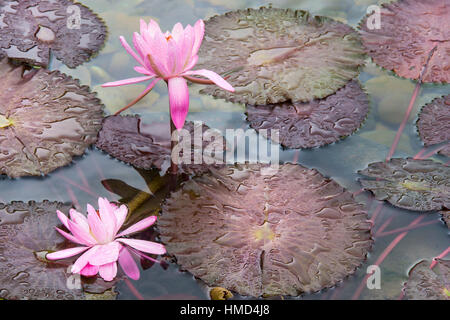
{"x": 46, "y": 118}
{"x": 31, "y": 29}
{"x": 259, "y": 231}
{"x": 275, "y": 55}
{"x": 434, "y": 123}
{"x": 27, "y": 233}
{"x": 408, "y": 32}
{"x": 419, "y": 185}
{"x": 315, "y": 123}
{"x": 147, "y": 146}
{"x": 429, "y": 284}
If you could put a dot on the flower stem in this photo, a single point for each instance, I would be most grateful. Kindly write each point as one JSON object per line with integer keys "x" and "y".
{"x": 173, "y": 165}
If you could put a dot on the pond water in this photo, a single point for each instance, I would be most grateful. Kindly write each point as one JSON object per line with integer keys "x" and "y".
{"x": 80, "y": 183}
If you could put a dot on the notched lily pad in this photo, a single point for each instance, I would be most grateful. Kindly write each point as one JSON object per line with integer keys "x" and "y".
{"x": 429, "y": 284}
{"x": 46, "y": 118}
{"x": 259, "y": 231}
{"x": 434, "y": 123}
{"x": 315, "y": 123}
{"x": 27, "y": 233}
{"x": 409, "y": 31}
{"x": 30, "y": 29}
{"x": 147, "y": 146}
{"x": 275, "y": 55}
{"x": 419, "y": 185}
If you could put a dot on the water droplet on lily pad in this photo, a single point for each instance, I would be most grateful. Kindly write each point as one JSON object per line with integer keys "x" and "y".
{"x": 275, "y": 55}
{"x": 31, "y": 29}
{"x": 46, "y": 118}
{"x": 286, "y": 231}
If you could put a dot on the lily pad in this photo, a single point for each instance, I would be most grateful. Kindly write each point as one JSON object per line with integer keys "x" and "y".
{"x": 419, "y": 185}
{"x": 27, "y": 233}
{"x": 315, "y": 123}
{"x": 46, "y": 118}
{"x": 259, "y": 231}
{"x": 275, "y": 55}
{"x": 429, "y": 284}
{"x": 409, "y": 31}
{"x": 30, "y": 29}
{"x": 147, "y": 146}
{"x": 434, "y": 123}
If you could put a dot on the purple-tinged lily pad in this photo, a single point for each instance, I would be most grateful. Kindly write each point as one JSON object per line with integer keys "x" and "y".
{"x": 30, "y": 29}
{"x": 147, "y": 146}
{"x": 419, "y": 185}
{"x": 315, "y": 123}
{"x": 27, "y": 233}
{"x": 46, "y": 118}
{"x": 434, "y": 123}
{"x": 259, "y": 231}
{"x": 275, "y": 55}
{"x": 428, "y": 284}
{"x": 408, "y": 32}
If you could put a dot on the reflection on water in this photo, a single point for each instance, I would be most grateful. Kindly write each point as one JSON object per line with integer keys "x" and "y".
{"x": 389, "y": 95}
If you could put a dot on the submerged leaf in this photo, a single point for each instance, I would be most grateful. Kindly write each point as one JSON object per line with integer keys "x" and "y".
{"x": 315, "y": 123}
{"x": 275, "y": 55}
{"x": 147, "y": 146}
{"x": 27, "y": 233}
{"x": 409, "y": 31}
{"x": 30, "y": 29}
{"x": 434, "y": 123}
{"x": 46, "y": 118}
{"x": 259, "y": 231}
{"x": 419, "y": 185}
{"x": 428, "y": 284}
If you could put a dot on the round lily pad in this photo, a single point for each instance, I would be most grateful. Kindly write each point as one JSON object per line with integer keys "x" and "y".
{"x": 27, "y": 233}
{"x": 46, "y": 118}
{"x": 147, "y": 146}
{"x": 434, "y": 123}
{"x": 315, "y": 123}
{"x": 30, "y": 29}
{"x": 275, "y": 55}
{"x": 419, "y": 185}
{"x": 260, "y": 231}
{"x": 408, "y": 32}
{"x": 429, "y": 284}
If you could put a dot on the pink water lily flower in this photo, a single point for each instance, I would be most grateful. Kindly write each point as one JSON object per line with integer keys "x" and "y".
{"x": 169, "y": 56}
{"x": 102, "y": 243}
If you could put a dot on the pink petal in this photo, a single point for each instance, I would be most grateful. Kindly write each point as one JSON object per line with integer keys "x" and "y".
{"x": 142, "y": 70}
{"x": 108, "y": 271}
{"x": 178, "y": 100}
{"x": 127, "y": 81}
{"x": 89, "y": 270}
{"x": 199, "y": 29}
{"x": 79, "y": 219}
{"x": 131, "y": 51}
{"x": 191, "y": 63}
{"x": 128, "y": 264}
{"x": 98, "y": 229}
{"x": 106, "y": 212}
{"x": 83, "y": 260}
{"x": 81, "y": 234}
{"x": 66, "y": 253}
{"x": 106, "y": 253}
{"x": 141, "y": 225}
{"x": 144, "y": 246}
{"x": 62, "y": 217}
{"x": 69, "y": 236}
{"x": 121, "y": 215}
{"x": 214, "y": 77}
